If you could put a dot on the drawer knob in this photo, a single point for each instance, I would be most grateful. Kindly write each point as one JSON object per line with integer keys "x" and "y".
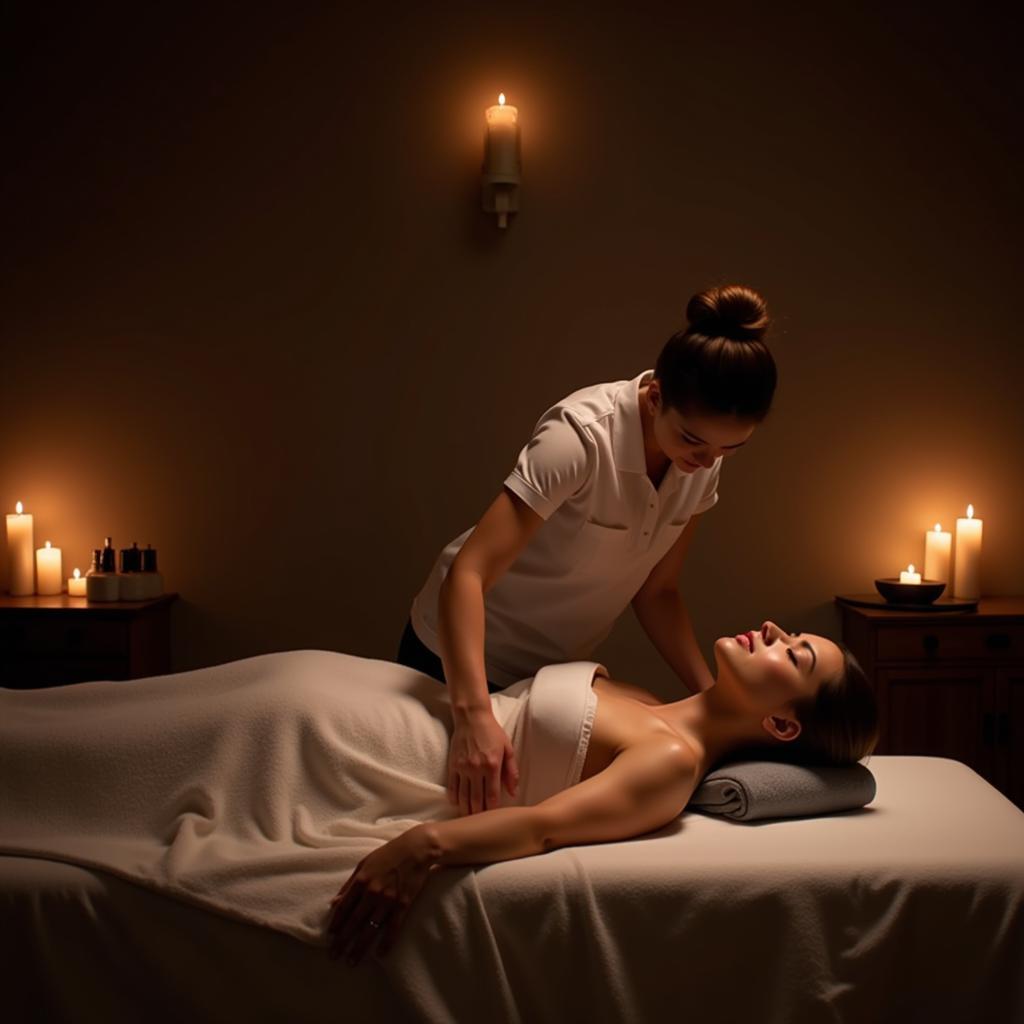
{"x": 997, "y": 641}
{"x": 930, "y": 642}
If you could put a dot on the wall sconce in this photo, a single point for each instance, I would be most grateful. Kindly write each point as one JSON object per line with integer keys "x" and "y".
{"x": 501, "y": 161}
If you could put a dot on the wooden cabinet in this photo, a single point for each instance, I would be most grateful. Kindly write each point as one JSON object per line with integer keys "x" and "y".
{"x": 49, "y": 641}
{"x": 949, "y": 684}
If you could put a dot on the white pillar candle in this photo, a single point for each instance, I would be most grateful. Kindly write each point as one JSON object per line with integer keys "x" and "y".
{"x": 937, "y": 545}
{"x": 967, "y": 564}
{"x": 76, "y": 585}
{"x": 20, "y": 542}
{"x": 501, "y": 153}
{"x": 909, "y": 576}
{"x": 49, "y": 571}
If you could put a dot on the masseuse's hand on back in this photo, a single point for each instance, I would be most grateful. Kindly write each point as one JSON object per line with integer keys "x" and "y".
{"x": 481, "y": 759}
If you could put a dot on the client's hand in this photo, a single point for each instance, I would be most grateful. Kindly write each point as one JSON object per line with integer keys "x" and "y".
{"x": 372, "y": 904}
{"x": 479, "y": 761}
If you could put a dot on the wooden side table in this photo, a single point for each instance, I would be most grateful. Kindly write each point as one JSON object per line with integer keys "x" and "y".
{"x": 49, "y": 641}
{"x": 949, "y": 684}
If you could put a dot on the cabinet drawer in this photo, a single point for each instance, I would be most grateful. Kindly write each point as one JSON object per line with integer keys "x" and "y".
{"x": 62, "y": 638}
{"x": 985, "y": 643}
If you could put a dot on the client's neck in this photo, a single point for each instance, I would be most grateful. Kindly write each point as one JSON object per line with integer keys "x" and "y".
{"x": 716, "y": 723}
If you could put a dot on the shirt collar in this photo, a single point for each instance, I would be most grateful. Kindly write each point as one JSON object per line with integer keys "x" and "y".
{"x": 627, "y": 428}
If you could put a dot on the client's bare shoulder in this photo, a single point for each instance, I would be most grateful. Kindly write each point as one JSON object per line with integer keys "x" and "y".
{"x": 626, "y": 715}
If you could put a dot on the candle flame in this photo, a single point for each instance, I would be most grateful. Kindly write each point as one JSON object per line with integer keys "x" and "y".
{"x": 501, "y": 98}
{"x": 77, "y": 573}
{"x": 910, "y": 568}
{"x": 18, "y": 508}
{"x": 970, "y": 511}
{"x": 47, "y": 543}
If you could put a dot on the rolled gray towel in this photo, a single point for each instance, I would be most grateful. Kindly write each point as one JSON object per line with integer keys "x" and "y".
{"x": 750, "y": 790}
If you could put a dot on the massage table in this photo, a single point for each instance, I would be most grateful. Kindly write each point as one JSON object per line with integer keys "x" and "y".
{"x": 910, "y": 909}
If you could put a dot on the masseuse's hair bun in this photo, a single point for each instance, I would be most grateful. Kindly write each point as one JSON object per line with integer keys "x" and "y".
{"x": 732, "y": 311}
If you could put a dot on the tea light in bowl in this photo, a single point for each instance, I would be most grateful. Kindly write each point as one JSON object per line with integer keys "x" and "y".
{"x": 76, "y": 585}
{"x": 909, "y": 576}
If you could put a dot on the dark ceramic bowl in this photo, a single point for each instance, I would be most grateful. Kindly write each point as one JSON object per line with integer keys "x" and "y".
{"x": 909, "y": 593}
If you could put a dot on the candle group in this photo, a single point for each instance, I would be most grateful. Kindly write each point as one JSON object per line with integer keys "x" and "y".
{"x": 965, "y": 580}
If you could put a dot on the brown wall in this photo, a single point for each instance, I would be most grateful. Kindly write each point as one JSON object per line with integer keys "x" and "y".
{"x": 252, "y": 313}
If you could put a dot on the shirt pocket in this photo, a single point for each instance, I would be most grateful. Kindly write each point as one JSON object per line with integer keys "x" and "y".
{"x": 602, "y": 547}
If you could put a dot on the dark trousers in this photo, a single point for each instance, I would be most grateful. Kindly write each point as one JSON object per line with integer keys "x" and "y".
{"x": 414, "y": 653}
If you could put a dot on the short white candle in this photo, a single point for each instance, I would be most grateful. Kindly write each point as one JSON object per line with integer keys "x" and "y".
{"x": 967, "y": 564}
{"x": 909, "y": 576}
{"x": 76, "y": 585}
{"x": 20, "y": 543}
{"x": 49, "y": 571}
{"x": 937, "y": 544}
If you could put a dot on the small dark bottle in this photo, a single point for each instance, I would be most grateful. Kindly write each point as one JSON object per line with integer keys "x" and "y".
{"x": 108, "y": 561}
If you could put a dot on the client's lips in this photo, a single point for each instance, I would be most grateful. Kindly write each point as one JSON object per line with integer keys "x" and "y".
{"x": 747, "y": 640}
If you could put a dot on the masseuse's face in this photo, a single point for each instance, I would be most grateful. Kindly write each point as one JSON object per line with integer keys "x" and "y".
{"x": 694, "y": 440}
{"x": 771, "y": 668}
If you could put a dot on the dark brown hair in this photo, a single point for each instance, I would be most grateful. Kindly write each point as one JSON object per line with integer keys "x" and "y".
{"x": 720, "y": 364}
{"x": 838, "y": 725}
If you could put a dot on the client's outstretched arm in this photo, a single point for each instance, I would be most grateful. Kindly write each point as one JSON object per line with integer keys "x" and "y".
{"x": 645, "y": 787}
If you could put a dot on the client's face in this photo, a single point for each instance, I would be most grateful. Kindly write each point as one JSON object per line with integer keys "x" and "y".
{"x": 772, "y": 667}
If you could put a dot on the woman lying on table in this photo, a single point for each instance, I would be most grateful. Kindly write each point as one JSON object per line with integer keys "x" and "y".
{"x": 787, "y": 696}
{"x": 252, "y": 788}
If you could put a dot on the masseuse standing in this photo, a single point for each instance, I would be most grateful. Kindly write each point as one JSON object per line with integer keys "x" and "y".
{"x": 598, "y": 513}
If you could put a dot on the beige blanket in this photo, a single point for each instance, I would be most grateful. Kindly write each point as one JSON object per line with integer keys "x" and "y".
{"x": 254, "y": 788}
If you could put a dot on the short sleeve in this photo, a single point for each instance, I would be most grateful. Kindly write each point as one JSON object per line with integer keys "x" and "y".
{"x": 552, "y": 467}
{"x": 710, "y": 496}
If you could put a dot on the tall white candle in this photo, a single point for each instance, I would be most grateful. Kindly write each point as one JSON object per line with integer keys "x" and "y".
{"x": 20, "y": 544}
{"x": 937, "y": 545}
{"x": 501, "y": 153}
{"x": 49, "y": 571}
{"x": 967, "y": 563}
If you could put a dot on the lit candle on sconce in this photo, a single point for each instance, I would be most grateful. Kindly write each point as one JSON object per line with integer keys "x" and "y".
{"x": 967, "y": 560}
{"x": 20, "y": 542}
{"x": 76, "y": 584}
{"x": 501, "y": 160}
{"x": 49, "y": 572}
{"x": 937, "y": 546}
{"x": 909, "y": 576}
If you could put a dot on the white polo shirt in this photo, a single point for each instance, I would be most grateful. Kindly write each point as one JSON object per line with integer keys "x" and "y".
{"x": 583, "y": 472}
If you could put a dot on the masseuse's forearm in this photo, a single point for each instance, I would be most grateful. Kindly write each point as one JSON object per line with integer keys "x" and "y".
{"x": 666, "y": 620}
{"x": 461, "y": 632}
{"x": 501, "y": 834}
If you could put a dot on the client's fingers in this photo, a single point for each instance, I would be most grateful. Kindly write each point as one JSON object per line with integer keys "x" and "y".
{"x": 463, "y": 795}
{"x": 476, "y": 788}
{"x": 390, "y": 931}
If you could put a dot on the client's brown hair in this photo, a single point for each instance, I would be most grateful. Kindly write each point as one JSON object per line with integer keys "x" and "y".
{"x": 720, "y": 364}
